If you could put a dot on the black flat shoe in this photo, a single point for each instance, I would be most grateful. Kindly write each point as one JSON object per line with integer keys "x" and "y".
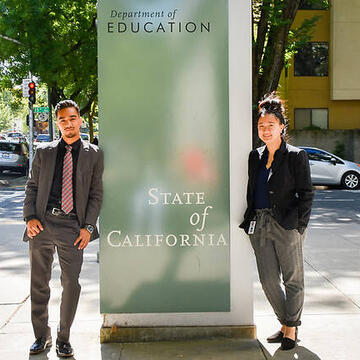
{"x": 64, "y": 349}
{"x": 287, "y": 343}
{"x": 276, "y": 338}
{"x": 40, "y": 345}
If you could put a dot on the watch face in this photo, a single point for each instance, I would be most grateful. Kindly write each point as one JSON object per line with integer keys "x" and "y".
{"x": 90, "y": 228}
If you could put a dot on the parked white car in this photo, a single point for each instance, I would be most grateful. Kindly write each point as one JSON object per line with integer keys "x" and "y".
{"x": 14, "y": 156}
{"x": 85, "y": 137}
{"x": 329, "y": 169}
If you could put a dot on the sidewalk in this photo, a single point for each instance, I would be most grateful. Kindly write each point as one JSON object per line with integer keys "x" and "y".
{"x": 331, "y": 320}
{"x": 16, "y": 332}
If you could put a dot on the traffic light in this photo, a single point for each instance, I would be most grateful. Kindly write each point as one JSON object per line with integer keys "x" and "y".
{"x": 32, "y": 92}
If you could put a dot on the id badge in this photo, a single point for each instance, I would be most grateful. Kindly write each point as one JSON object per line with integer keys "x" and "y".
{"x": 252, "y": 227}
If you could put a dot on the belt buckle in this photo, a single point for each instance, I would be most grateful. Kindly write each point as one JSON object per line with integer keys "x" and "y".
{"x": 55, "y": 211}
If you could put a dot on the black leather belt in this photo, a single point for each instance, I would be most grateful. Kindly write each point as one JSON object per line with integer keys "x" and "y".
{"x": 59, "y": 212}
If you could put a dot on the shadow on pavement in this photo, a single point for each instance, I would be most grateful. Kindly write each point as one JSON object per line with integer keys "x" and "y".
{"x": 42, "y": 356}
{"x": 298, "y": 353}
{"x": 46, "y": 356}
{"x": 9, "y": 179}
{"x": 196, "y": 349}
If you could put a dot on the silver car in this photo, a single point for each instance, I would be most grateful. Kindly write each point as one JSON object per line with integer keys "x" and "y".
{"x": 329, "y": 169}
{"x": 14, "y": 156}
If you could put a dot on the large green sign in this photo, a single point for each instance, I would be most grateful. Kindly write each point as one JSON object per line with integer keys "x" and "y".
{"x": 163, "y": 95}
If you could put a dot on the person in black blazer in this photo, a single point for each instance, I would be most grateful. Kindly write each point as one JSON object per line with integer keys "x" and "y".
{"x": 279, "y": 199}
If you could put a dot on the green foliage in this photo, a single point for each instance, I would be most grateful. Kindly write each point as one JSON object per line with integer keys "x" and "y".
{"x": 56, "y": 41}
{"x": 340, "y": 150}
{"x": 273, "y": 10}
{"x": 12, "y": 108}
{"x": 5, "y": 117}
{"x": 299, "y": 37}
{"x": 315, "y": 4}
{"x": 313, "y": 128}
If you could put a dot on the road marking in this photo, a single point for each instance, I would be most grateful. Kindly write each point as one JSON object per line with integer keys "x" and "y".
{"x": 334, "y": 200}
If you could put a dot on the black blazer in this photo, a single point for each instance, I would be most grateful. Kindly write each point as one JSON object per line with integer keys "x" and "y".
{"x": 290, "y": 188}
{"x": 89, "y": 189}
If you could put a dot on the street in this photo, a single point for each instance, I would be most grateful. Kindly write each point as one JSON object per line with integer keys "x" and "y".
{"x": 332, "y": 301}
{"x": 11, "y": 204}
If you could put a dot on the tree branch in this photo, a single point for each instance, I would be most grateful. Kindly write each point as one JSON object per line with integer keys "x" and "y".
{"x": 10, "y": 39}
{"x": 87, "y": 107}
{"x": 261, "y": 33}
{"x": 79, "y": 43}
{"x": 75, "y": 94}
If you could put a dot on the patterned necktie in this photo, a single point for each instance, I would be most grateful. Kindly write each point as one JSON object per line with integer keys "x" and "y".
{"x": 67, "y": 186}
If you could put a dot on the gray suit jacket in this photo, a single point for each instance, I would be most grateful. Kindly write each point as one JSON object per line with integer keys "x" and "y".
{"x": 89, "y": 191}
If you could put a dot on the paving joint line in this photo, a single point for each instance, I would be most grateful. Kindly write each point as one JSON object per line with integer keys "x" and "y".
{"x": 315, "y": 314}
{"x": 14, "y": 312}
{"x": 262, "y": 348}
{"x": 330, "y": 282}
{"x": 13, "y": 303}
{"x": 17, "y": 308}
{"x": 121, "y": 351}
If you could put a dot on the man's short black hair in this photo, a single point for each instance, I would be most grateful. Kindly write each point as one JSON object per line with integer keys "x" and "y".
{"x": 66, "y": 104}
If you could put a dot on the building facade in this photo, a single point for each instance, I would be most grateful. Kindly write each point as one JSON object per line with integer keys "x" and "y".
{"x": 322, "y": 85}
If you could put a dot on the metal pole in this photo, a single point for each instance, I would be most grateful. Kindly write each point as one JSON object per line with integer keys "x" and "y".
{"x": 54, "y": 128}
{"x": 31, "y": 130}
{"x": 31, "y": 133}
{"x": 51, "y": 129}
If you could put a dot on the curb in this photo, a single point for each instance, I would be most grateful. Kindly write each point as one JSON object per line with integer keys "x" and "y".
{"x": 4, "y": 183}
{"x": 13, "y": 183}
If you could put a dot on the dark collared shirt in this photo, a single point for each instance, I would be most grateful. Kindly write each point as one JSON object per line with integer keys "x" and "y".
{"x": 261, "y": 196}
{"x": 56, "y": 187}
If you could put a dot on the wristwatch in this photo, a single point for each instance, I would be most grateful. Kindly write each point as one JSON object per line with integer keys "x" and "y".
{"x": 89, "y": 228}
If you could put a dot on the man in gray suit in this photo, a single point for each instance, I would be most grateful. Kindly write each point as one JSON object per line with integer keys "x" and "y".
{"x": 62, "y": 203}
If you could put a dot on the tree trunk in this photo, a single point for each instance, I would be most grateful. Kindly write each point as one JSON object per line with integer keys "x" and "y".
{"x": 269, "y": 55}
{"x": 91, "y": 123}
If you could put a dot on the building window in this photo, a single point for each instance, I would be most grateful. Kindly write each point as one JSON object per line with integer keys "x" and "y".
{"x": 312, "y": 60}
{"x": 313, "y": 5}
{"x": 311, "y": 118}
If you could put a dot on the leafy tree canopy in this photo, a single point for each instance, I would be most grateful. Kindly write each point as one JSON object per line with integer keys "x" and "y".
{"x": 56, "y": 41}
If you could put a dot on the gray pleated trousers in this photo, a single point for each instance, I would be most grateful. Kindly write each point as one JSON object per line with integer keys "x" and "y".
{"x": 279, "y": 258}
{"x": 59, "y": 234}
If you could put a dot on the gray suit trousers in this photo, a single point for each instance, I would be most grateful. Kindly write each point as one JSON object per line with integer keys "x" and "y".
{"x": 59, "y": 234}
{"x": 279, "y": 259}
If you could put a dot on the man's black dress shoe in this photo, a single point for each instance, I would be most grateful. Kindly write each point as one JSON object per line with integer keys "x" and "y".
{"x": 64, "y": 349}
{"x": 276, "y": 338}
{"x": 40, "y": 345}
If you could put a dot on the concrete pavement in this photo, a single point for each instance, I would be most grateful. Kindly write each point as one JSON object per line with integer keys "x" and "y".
{"x": 16, "y": 332}
{"x": 331, "y": 317}
{"x": 331, "y": 320}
